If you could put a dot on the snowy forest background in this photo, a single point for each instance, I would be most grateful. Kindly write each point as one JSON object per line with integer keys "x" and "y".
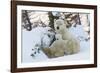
{"x": 37, "y": 33}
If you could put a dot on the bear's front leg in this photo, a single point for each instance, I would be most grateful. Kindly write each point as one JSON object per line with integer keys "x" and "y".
{"x": 59, "y": 53}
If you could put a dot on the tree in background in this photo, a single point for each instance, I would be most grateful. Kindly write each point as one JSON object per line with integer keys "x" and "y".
{"x": 26, "y": 20}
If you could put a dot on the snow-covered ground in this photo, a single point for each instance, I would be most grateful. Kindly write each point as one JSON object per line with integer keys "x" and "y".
{"x": 30, "y": 38}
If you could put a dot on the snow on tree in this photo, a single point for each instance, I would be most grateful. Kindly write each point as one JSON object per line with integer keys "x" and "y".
{"x": 86, "y": 24}
{"x": 38, "y": 18}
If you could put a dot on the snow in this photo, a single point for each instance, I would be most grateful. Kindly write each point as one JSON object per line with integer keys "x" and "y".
{"x": 36, "y": 16}
{"x": 30, "y": 38}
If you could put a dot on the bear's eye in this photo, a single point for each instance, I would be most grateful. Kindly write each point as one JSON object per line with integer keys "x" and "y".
{"x": 57, "y": 27}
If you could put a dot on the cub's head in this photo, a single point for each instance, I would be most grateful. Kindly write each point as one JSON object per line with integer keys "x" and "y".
{"x": 58, "y": 23}
{"x": 58, "y": 37}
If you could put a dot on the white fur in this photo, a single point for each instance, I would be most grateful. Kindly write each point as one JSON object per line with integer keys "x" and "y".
{"x": 65, "y": 43}
{"x": 66, "y": 35}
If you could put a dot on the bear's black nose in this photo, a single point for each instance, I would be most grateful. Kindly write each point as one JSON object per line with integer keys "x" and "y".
{"x": 57, "y": 27}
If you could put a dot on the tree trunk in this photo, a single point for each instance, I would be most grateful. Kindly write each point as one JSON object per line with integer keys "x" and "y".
{"x": 29, "y": 27}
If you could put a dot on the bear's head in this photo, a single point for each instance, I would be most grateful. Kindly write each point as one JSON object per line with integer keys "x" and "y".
{"x": 60, "y": 25}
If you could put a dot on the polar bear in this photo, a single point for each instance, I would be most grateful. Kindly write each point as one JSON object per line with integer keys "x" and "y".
{"x": 61, "y": 27}
{"x": 60, "y": 48}
{"x": 65, "y": 43}
{"x": 57, "y": 49}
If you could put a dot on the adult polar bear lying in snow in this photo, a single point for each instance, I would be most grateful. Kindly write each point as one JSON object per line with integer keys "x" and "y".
{"x": 65, "y": 43}
{"x": 56, "y": 49}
